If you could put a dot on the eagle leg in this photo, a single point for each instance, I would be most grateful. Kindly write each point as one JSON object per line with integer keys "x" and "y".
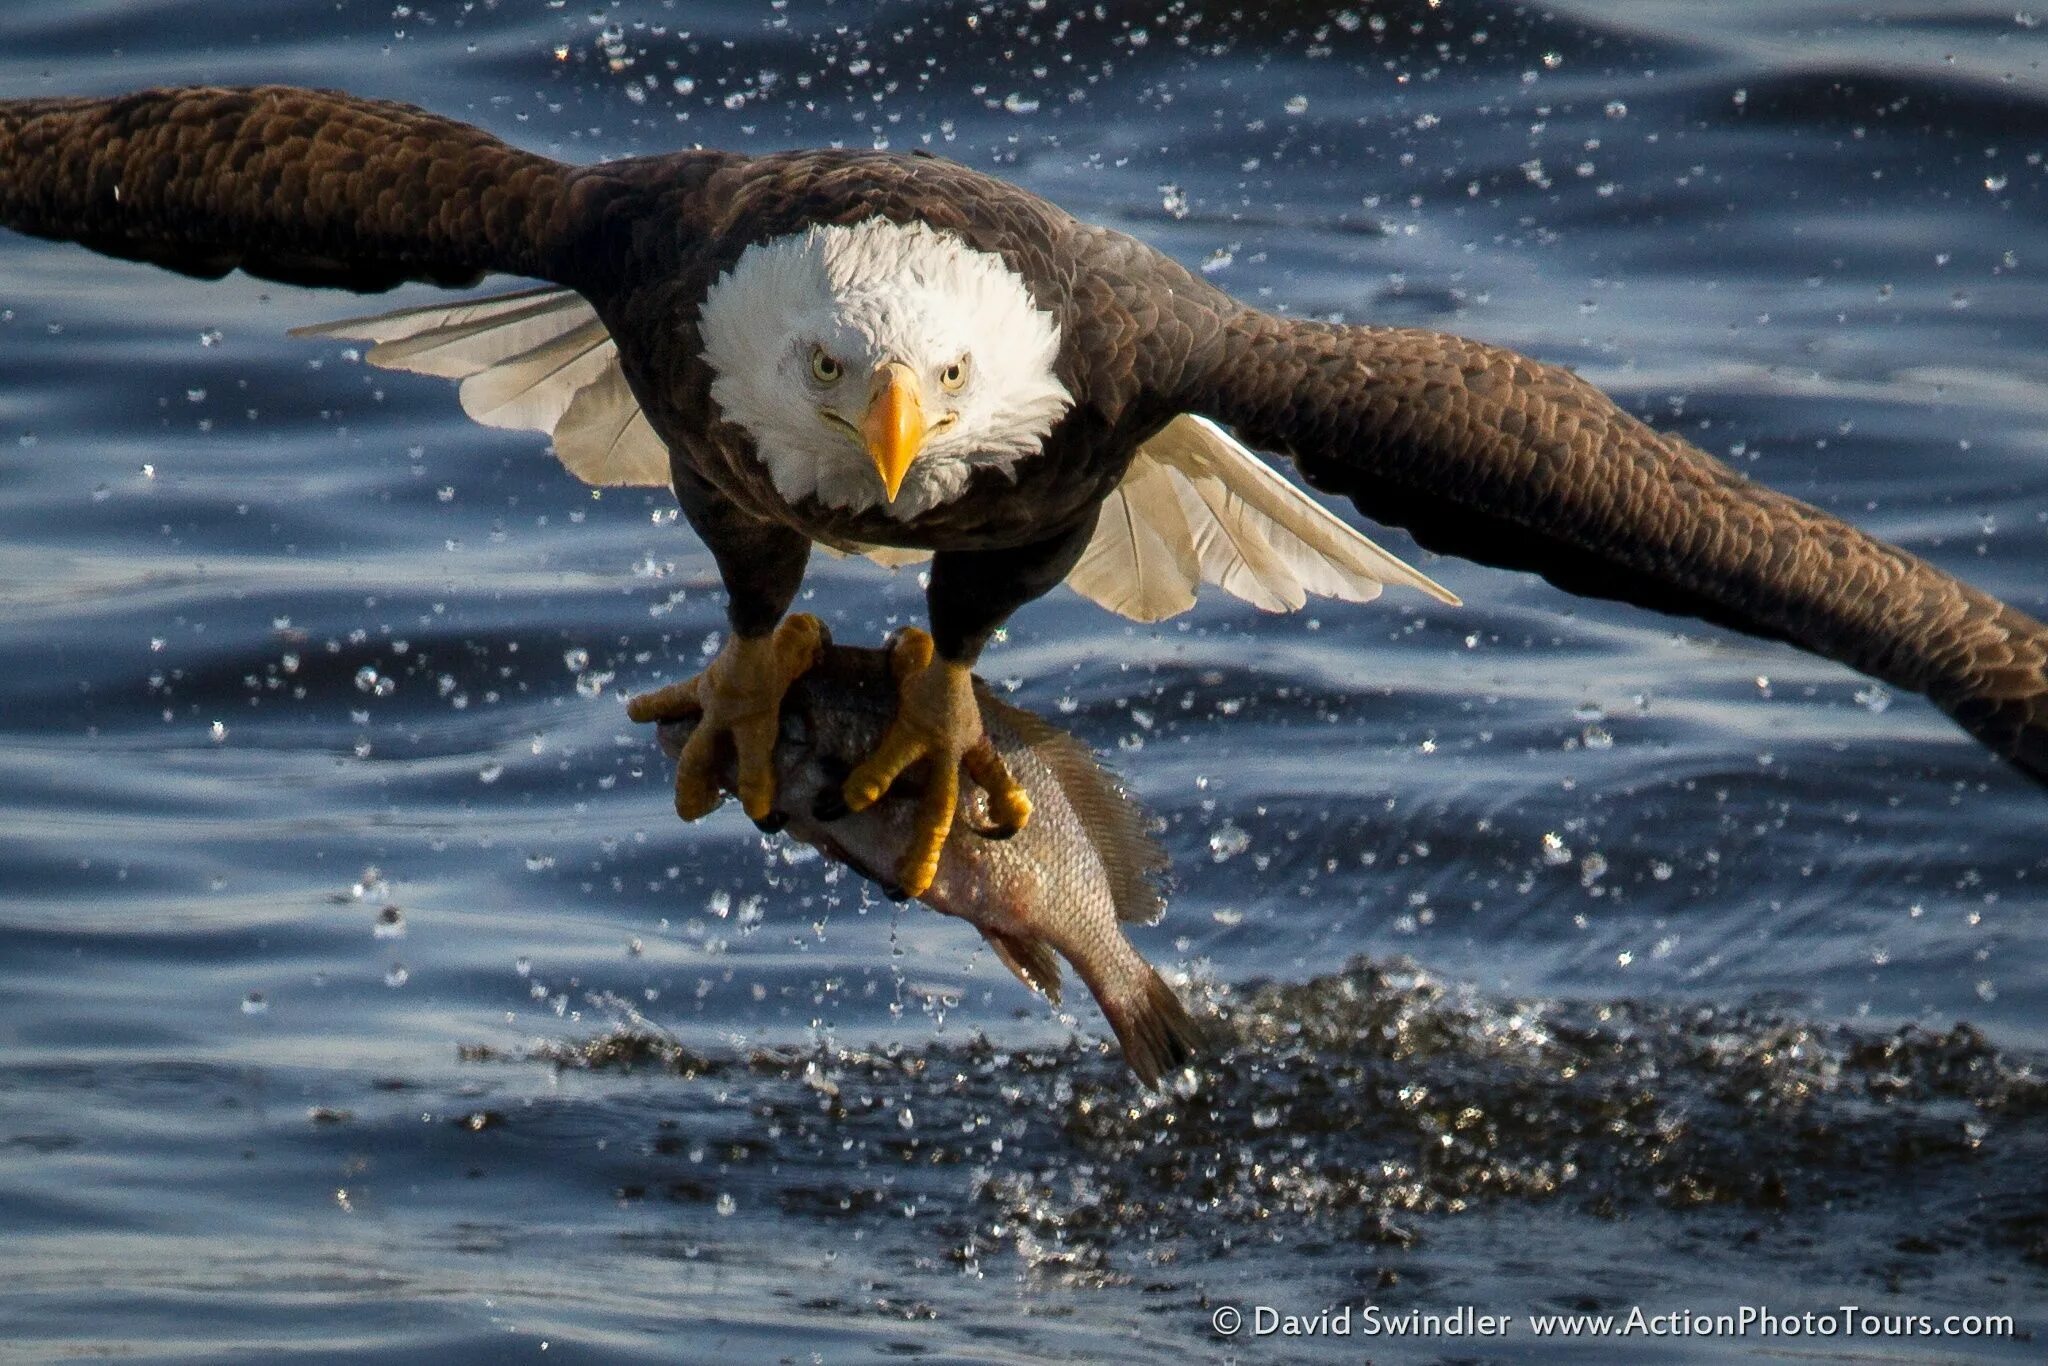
{"x": 938, "y": 721}
{"x": 739, "y": 695}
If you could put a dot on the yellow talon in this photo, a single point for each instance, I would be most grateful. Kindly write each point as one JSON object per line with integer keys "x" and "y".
{"x": 1009, "y": 805}
{"x": 938, "y": 722}
{"x": 739, "y": 695}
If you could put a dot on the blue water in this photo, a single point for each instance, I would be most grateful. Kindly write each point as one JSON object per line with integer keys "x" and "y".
{"x": 232, "y": 1117}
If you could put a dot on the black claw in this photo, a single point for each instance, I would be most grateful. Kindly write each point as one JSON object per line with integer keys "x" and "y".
{"x": 771, "y": 823}
{"x": 829, "y": 804}
{"x": 894, "y": 893}
{"x": 993, "y": 832}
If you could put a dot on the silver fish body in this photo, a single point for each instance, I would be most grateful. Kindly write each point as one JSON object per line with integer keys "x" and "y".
{"x": 1082, "y": 867}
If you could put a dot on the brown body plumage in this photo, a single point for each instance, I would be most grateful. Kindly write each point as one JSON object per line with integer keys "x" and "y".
{"x": 1478, "y": 451}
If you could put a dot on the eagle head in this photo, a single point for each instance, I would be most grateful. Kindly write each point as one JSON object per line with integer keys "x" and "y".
{"x": 881, "y": 363}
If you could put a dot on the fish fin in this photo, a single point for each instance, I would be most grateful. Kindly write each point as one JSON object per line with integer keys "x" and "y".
{"x": 1116, "y": 825}
{"x": 1031, "y": 959}
{"x": 1198, "y": 506}
{"x": 538, "y": 360}
{"x": 1154, "y": 1030}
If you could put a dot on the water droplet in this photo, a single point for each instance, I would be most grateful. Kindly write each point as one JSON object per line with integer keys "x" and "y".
{"x": 255, "y": 1003}
{"x": 396, "y": 975}
{"x": 726, "y": 1205}
{"x": 1019, "y": 104}
{"x": 1616, "y": 109}
{"x": 390, "y": 923}
{"x": 1296, "y": 104}
{"x": 1227, "y": 841}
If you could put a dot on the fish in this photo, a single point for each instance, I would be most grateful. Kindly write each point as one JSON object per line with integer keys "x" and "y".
{"x": 1063, "y": 886}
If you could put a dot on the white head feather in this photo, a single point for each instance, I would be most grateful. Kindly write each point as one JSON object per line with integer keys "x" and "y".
{"x": 866, "y": 295}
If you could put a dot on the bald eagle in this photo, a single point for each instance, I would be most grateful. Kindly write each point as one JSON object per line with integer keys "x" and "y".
{"x": 896, "y": 356}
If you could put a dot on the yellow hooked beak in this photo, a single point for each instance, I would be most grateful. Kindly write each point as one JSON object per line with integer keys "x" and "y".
{"x": 894, "y": 428}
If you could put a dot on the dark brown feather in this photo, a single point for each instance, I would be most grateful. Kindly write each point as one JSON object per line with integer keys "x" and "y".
{"x": 304, "y": 186}
{"x": 1487, "y": 454}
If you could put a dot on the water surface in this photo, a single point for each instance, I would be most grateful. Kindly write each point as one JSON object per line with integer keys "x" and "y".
{"x": 1695, "y": 971}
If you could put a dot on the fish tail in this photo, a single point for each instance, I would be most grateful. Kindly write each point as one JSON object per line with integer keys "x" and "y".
{"x": 1153, "y": 1028}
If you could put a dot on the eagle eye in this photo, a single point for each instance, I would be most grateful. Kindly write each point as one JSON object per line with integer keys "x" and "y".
{"x": 954, "y": 375}
{"x": 824, "y": 368}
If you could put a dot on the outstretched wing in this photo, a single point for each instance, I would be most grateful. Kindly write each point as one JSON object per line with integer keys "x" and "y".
{"x": 303, "y": 186}
{"x": 1486, "y": 454}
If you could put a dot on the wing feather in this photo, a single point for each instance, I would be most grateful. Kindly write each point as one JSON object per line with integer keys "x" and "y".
{"x": 1488, "y": 454}
{"x": 1141, "y": 561}
{"x": 536, "y": 360}
{"x": 306, "y": 186}
{"x": 605, "y": 439}
{"x": 895, "y": 556}
{"x": 1254, "y": 506}
{"x": 1196, "y": 507}
{"x": 455, "y": 342}
{"x": 532, "y": 390}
